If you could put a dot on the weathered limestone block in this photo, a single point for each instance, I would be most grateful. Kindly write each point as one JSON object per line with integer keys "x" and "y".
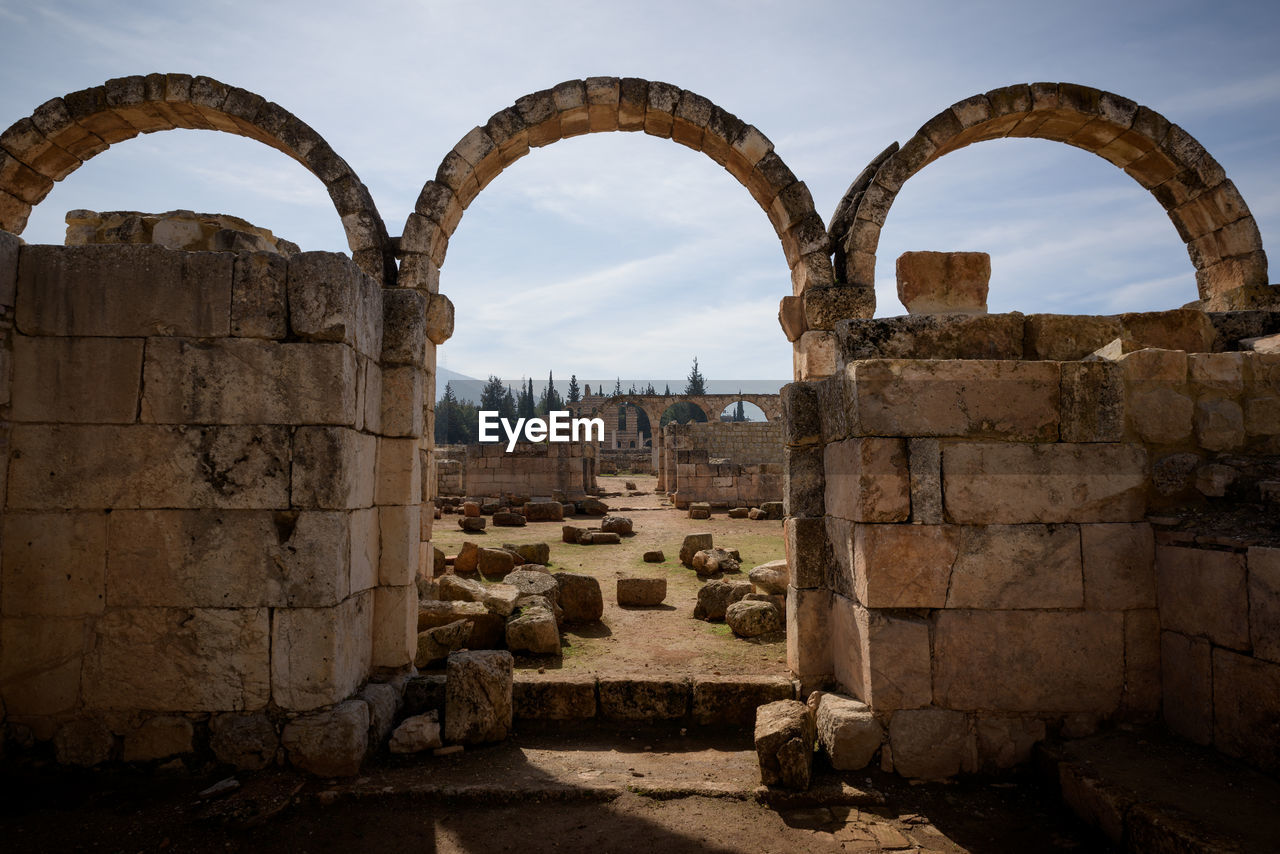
{"x": 73, "y": 291}
{"x": 1180, "y": 329}
{"x": 331, "y": 299}
{"x": 925, "y": 465}
{"x": 809, "y": 635}
{"x": 1093, "y": 402}
{"x": 439, "y": 328}
{"x": 1219, "y": 424}
{"x": 1203, "y": 593}
{"x": 395, "y": 620}
{"x": 867, "y": 480}
{"x": 712, "y": 561}
{"x": 564, "y": 698}
{"x": 10, "y": 246}
{"x": 404, "y": 320}
{"x": 85, "y": 742}
{"x": 178, "y": 660}
{"x": 808, "y": 551}
{"x": 544, "y": 511}
{"x": 478, "y": 701}
{"x": 1017, "y": 566}
{"x": 1246, "y": 708}
{"x": 771, "y": 577}
{"x": 752, "y": 618}
{"x": 814, "y": 355}
{"x": 320, "y": 655}
{"x": 246, "y": 741}
{"x": 1005, "y": 741}
{"x": 620, "y": 525}
{"x": 248, "y": 381}
{"x": 399, "y": 530}
{"x": 1142, "y": 683}
{"x": 1029, "y": 661}
{"x": 931, "y": 336}
{"x": 87, "y": 380}
{"x": 1008, "y": 400}
{"x": 40, "y": 669}
{"x": 732, "y": 700}
{"x": 364, "y": 549}
{"x": 54, "y": 564}
{"x": 179, "y": 558}
{"x": 625, "y": 699}
{"x": 259, "y": 308}
{"x": 399, "y": 471}
{"x": 1264, "y": 602}
{"x": 332, "y": 743}
{"x": 990, "y": 483}
{"x": 148, "y": 466}
{"x": 694, "y": 543}
{"x": 1119, "y": 566}
{"x": 715, "y": 597}
{"x": 944, "y": 282}
{"x": 883, "y": 659}
{"x": 847, "y": 731}
{"x": 784, "y": 739}
{"x": 539, "y": 553}
{"x": 929, "y": 744}
{"x": 439, "y": 642}
{"x": 1068, "y": 337}
{"x": 333, "y": 468}
{"x": 904, "y": 566}
{"x": 580, "y": 597}
{"x": 803, "y": 485}
{"x": 416, "y": 734}
{"x": 533, "y": 628}
{"x": 641, "y": 592}
{"x": 487, "y": 628}
{"x": 158, "y": 738}
{"x": 384, "y": 705}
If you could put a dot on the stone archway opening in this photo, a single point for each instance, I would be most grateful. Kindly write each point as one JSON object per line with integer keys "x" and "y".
{"x": 742, "y": 410}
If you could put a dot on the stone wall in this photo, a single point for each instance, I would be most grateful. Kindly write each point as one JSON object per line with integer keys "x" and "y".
{"x": 692, "y": 471}
{"x": 968, "y": 537}
{"x": 212, "y": 496}
{"x": 628, "y": 461}
{"x": 530, "y": 470}
{"x": 1220, "y": 646}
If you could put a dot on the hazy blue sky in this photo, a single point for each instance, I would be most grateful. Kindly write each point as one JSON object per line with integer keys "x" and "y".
{"x": 622, "y": 254}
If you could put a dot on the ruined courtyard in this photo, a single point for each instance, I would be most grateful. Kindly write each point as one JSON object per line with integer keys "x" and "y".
{"x": 1004, "y": 538}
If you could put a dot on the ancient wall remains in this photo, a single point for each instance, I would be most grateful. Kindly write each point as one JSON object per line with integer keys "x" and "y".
{"x": 626, "y": 462}
{"x": 212, "y": 511}
{"x": 529, "y": 470}
{"x": 696, "y": 469}
{"x": 968, "y": 530}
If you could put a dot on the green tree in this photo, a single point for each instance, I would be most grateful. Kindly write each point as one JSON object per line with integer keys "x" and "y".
{"x": 526, "y": 406}
{"x": 739, "y": 414}
{"x": 551, "y": 400}
{"x": 575, "y": 393}
{"x": 508, "y": 410}
{"x": 650, "y": 389}
{"x": 697, "y": 383}
{"x": 492, "y": 393}
{"x": 617, "y": 386}
{"x": 667, "y": 393}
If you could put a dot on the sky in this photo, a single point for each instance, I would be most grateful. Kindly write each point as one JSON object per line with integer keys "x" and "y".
{"x": 627, "y": 255}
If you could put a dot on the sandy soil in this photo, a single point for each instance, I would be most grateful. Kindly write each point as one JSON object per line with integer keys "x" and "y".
{"x": 666, "y": 639}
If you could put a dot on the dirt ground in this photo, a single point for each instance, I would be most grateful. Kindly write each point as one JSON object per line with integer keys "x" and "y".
{"x": 631, "y": 641}
{"x": 594, "y": 789}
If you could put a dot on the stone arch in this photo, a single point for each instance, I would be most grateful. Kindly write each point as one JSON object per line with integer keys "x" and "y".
{"x": 599, "y": 104}
{"x": 1206, "y": 208}
{"x": 63, "y": 133}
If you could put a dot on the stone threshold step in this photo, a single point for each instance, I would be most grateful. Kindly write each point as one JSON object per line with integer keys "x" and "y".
{"x": 701, "y": 700}
{"x": 1148, "y": 791}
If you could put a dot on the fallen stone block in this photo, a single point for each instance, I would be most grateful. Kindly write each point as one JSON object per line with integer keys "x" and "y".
{"x": 452, "y": 588}
{"x": 435, "y": 645}
{"x": 593, "y": 507}
{"x": 773, "y": 510}
{"x": 655, "y": 556}
{"x": 500, "y": 599}
{"x": 472, "y": 524}
{"x": 847, "y": 731}
{"x": 694, "y": 543}
{"x": 710, "y": 561}
{"x": 495, "y": 563}
{"x": 468, "y": 557}
{"x": 533, "y": 629}
{"x": 544, "y": 511}
{"x": 620, "y": 525}
{"x": 699, "y": 510}
{"x": 772, "y": 577}
{"x": 470, "y": 509}
{"x": 509, "y": 520}
{"x": 605, "y": 538}
{"x": 533, "y": 552}
{"x": 733, "y": 700}
{"x": 641, "y": 592}
{"x": 580, "y": 597}
{"x": 331, "y": 743}
{"x": 739, "y": 512}
{"x": 533, "y": 582}
{"x": 749, "y": 618}
{"x": 416, "y": 734}
{"x": 486, "y": 628}
{"x": 478, "y": 706}
{"x": 755, "y": 514}
{"x": 784, "y": 739}
{"x": 424, "y": 694}
{"x": 715, "y": 597}
{"x": 571, "y": 533}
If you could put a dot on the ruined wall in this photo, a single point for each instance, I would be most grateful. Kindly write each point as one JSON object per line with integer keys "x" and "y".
{"x": 692, "y": 472}
{"x": 531, "y": 470}
{"x": 450, "y": 464}
{"x": 969, "y": 538}
{"x": 631, "y": 462}
{"x": 212, "y": 488}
